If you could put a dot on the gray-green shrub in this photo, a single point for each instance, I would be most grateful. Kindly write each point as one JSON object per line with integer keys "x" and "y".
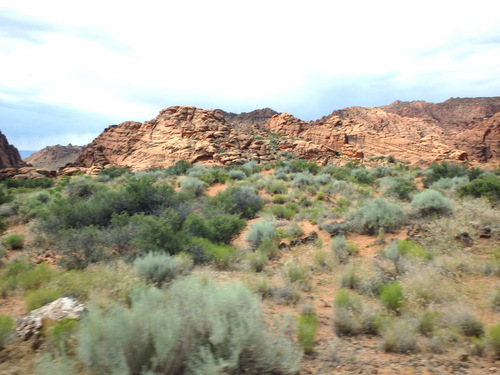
{"x": 259, "y": 231}
{"x": 196, "y": 327}
{"x": 400, "y": 336}
{"x": 431, "y": 202}
{"x": 162, "y": 268}
{"x": 378, "y": 214}
{"x": 6, "y": 327}
{"x": 193, "y": 185}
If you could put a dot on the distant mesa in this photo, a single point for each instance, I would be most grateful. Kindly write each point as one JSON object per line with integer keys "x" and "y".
{"x": 55, "y": 157}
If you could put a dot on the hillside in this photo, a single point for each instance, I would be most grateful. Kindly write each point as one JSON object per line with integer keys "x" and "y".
{"x": 55, "y": 157}
{"x": 9, "y": 154}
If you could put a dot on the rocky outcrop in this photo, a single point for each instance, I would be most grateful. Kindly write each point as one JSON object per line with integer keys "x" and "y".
{"x": 417, "y": 132}
{"x": 193, "y": 134}
{"x": 62, "y": 308}
{"x": 55, "y": 157}
{"x": 9, "y": 154}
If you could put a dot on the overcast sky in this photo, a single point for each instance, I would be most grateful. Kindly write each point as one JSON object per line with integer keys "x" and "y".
{"x": 69, "y": 69}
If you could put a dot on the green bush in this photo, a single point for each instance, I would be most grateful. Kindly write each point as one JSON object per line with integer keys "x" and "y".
{"x": 391, "y": 296}
{"x": 6, "y": 328}
{"x": 196, "y": 327}
{"x": 279, "y": 199}
{"x": 237, "y": 175}
{"x": 363, "y": 176}
{"x": 306, "y": 332}
{"x": 296, "y": 273}
{"x": 432, "y": 202}
{"x": 79, "y": 248}
{"x": 449, "y": 183}
{"x": 220, "y": 254}
{"x": 14, "y": 242}
{"x": 400, "y": 336}
{"x": 488, "y": 187}
{"x": 342, "y": 249}
{"x": 443, "y": 170}
{"x": 302, "y": 180}
{"x": 428, "y": 323}
{"x": 29, "y": 183}
{"x": 161, "y": 268}
{"x": 493, "y": 340}
{"x": 376, "y": 215}
{"x": 22, "y": 275}
{"x": 351, "y": 317}
{"x": 402, "y": 189}
{"x": 60, "y": 332}
{"x": 114, "y": 172}
{"x": 40, "y": 297}
{"x": 241, "y": 200}
{"x": 260, "y": 231}
{"x": 351, "y": 279}
{"x": 282, "y": 212}
{"x": 214, "y": 175}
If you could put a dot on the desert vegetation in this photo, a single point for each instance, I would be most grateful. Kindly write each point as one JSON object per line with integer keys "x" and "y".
{"x": 281, "y": 268}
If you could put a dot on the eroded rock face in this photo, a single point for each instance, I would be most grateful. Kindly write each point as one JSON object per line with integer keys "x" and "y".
{"x": 418, "y": 132}
{"x": 62, "y": 308}
{"x": 9, "y": 154}
{"x": 55, "y": 157}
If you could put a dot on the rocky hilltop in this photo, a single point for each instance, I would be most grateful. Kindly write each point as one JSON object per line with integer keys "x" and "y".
{"x": 9, "y": 154}
{"x": 55, "y": 157}
{"x": 417, "y": 132}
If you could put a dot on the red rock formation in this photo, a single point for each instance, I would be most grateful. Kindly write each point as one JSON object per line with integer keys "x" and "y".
{"x": 9, "y": 155}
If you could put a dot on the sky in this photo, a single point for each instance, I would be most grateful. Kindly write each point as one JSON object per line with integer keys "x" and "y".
{"x": 70, "y": 69}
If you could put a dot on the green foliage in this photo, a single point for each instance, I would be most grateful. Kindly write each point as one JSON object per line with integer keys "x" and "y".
{"x": 14, "y": 242}
{"x": 493, "y": 340}
{"x": 495, "y": 301}
{"x": 281, "y": 212}
{"x": 29, "y": 183}
{"x": 21, "y": 275}
{"x": 302, "y": 180}
{"x": 237, "y": 175}
{"x": 467, "y": 323}
{"x": 299, "y": 274}
{"x": 401, "y": 188}
{"x": 351, "y": 279}
{"x": 432, "y": 202}
{"x": 378, "y": 214}
{"x": 180, "y": 168}
{"x": 60, "y": 332}
{"x": 241, "y": 200}
{"x": 6, "y": 328}
{"x": 40, "y": 297}
{"x": 79, "y": 248}
{"x": 342, "y": 249}
{"x": 411, "y": 249}
{"x": 363, "y": 176}
{"x": 5, "y": 197}
{"x": 114, "y": 172}
{"x": 351, "y": 317}
{"x": 260, "y": 231}
{"x": 429, "y": 322}
{"x": 279, "y": 199}
{"x": 220, "y": 254}
{"x": 306, "y": 332}
{"x": 218, "y": 228}
{"x": 488, "y": 187}
{"x": 214, "y": 175}
{"x": 162, "y": 268}
{"x": 391, "y": 296}
{"x": 443, "y": 170}
{"x": 196, "y": 327}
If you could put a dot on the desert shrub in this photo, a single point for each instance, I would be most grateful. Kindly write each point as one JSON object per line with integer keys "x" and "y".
{"x": 400, "y": 336}
{"x": 306, "y": 331}
{"x": 162, "y": 268}
{"x": 429, "y": 322}
{"x": 443, "y": 170}
{"x": 296, "y": 273}
{"x": 298, "y": 165}
{"x": 259, "y": 231}
{"x": 431, "y": 202}
{"x": 5, "y": 197}
{"x": 391, "y": 296}
{"x": 342, "y": 249}
{"x": 29, "y": 183}
{"x": 214, "y": 175}
{"x": 60, "y": 332}
{"x": 449, "y": 183}
{"x": 241, "y": 200}
{"x": 351, "y": 317}
{"x": 351, "y": 279}
{"x": 466, "y": 322}
{"x": 196, "y": 327}
{"x": 488, "y": 187}
{"x": 282, "y": 212}
{"x": 401, "y": 188}
{"x": 256, "y": 260}
{"x": 40, "y": 297}
{"x": 160, "y": 234}
{"x": 114, "y": 172}
{"x": 220, "y": 254}
{"x": 302, "y": 180}
{"x": 324, "y": 179}
{"x": 493, "y": 340}
{"x": 378, "y": 214}
{"x": 495, "y": 301}
{"x": 279, "y": 199}
{"x": 274, "y": 187}
{"x": 80, "y": 187}
{"x": 251, "y": 167}
{"x": 237, "y": 175}
{"x": 412, "y": 249}
{"x": 180, "y": 168}
{"x": 14, "y": 242}
{"x": 79, "y": 248}
{"x": 193, "y": 186}
{"x": 6, "y": 328}
{"x": 22, "y": 275}
{"x": 218, "y": 228}
{"x": 363, "y": 176}
{"x": 426, "y": 286}
{"x": 269, "y": 247}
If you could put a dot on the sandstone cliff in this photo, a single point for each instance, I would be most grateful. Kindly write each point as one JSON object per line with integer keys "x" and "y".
{"x": 9, "y": 154}
{"x": 55, "y": 157}
{"x": 417, "y": 132}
